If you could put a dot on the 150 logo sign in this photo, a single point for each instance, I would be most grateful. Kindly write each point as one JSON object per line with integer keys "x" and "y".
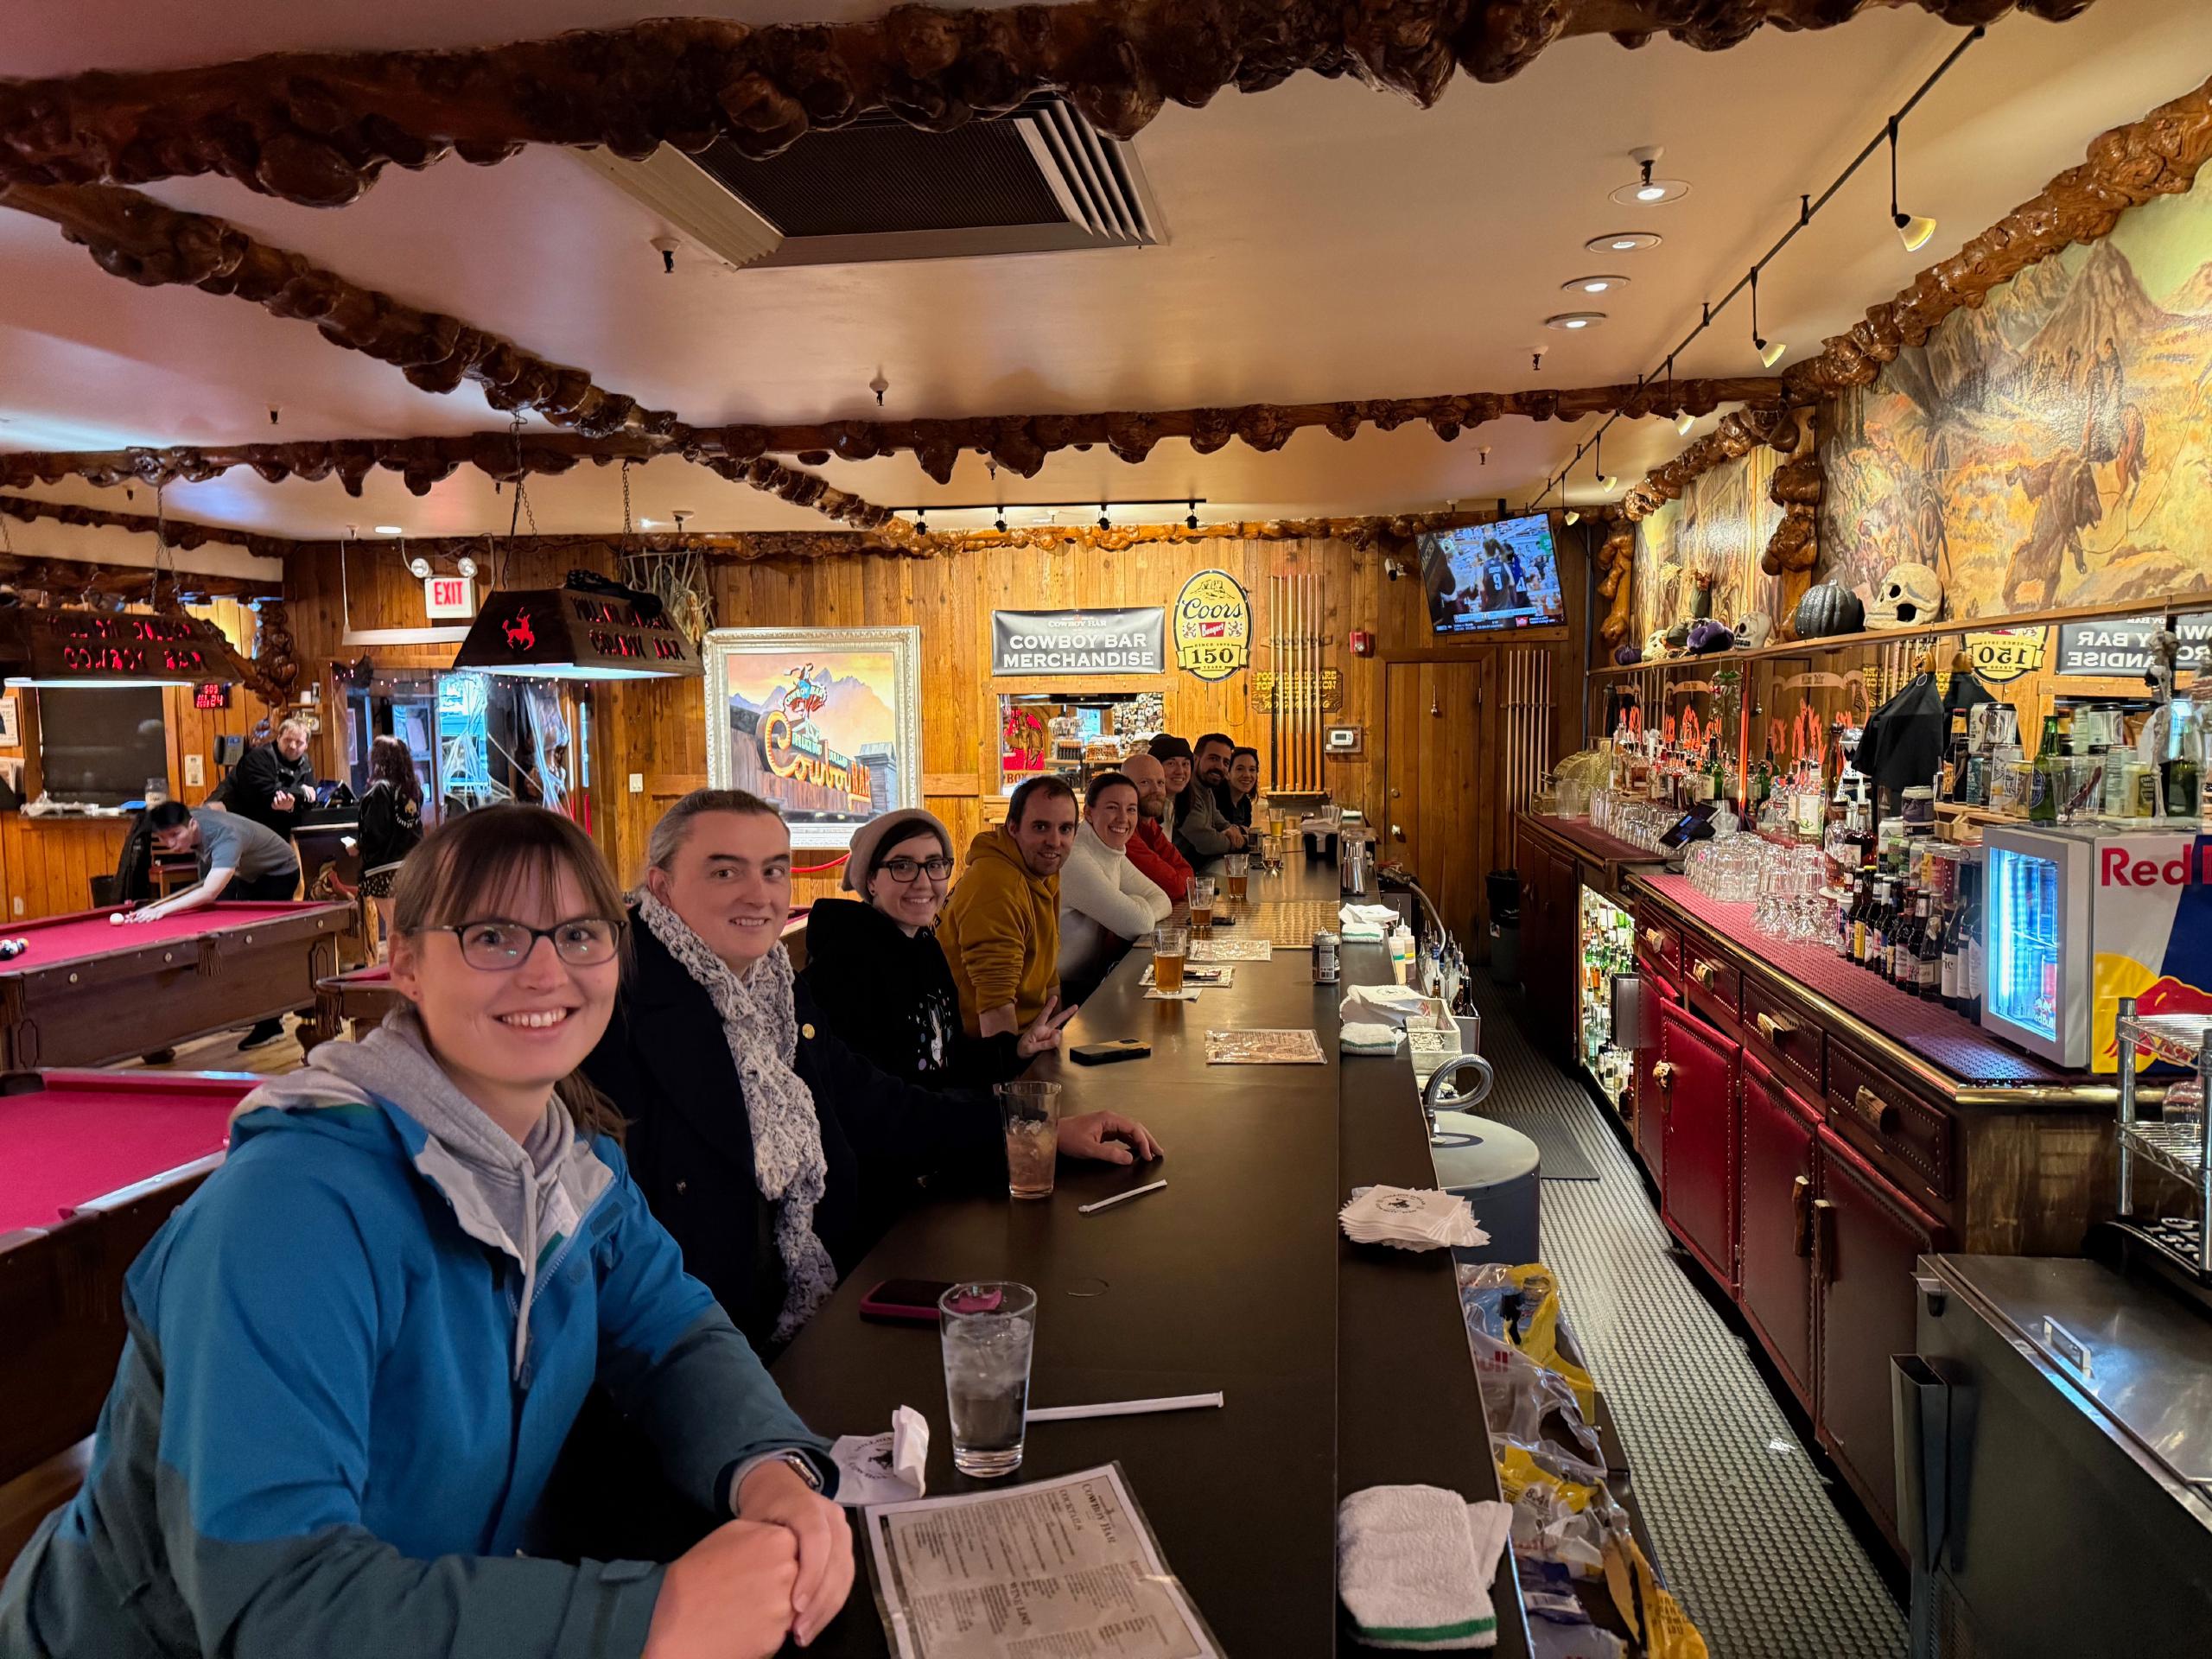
{"x": 1213, "y": 625}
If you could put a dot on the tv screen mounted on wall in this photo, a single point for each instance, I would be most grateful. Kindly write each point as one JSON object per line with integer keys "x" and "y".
{"x": 1499, "y": 575}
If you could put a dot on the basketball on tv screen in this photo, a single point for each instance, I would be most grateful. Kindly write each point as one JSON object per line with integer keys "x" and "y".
{"x": 1500, "y": 575}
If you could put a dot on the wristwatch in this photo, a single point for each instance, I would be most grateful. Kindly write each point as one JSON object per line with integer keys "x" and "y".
{"x": 803, "y": 1467}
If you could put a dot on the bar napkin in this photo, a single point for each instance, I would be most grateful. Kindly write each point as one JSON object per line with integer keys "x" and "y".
{"x": 1414, "y": 1566}
{"x": 1361, "y": 1038}
{"x": 1396, "y": 1003}
{"x": 1409, "y": 1218}
{"x": 884, "y": 1468}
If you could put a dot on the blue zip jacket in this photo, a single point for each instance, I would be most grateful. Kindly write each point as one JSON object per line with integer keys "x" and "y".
{"x": 328, "y": 1435}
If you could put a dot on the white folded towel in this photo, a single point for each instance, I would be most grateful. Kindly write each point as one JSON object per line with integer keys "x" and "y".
{"x": 1359, "y": 1038}
{"x": 1414, "y": 1566}
{"x": 1394, "y": 1003}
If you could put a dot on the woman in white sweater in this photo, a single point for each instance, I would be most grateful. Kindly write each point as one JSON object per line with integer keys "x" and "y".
{"x": 1105, "y": 900}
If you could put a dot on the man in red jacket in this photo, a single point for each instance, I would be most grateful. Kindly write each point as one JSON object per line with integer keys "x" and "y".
{"x": 1150, "y": 849}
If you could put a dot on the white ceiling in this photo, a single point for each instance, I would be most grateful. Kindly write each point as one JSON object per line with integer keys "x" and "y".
{"x": 1324, "y": 241}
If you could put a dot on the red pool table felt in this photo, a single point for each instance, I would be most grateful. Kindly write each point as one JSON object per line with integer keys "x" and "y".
{"x": 65, "y": 938}
{"x": 88, "y": 1134}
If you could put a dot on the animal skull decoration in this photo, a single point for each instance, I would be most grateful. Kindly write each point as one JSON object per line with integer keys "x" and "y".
{"x": 1654, "y": 646}
{"x": 1910, "y": 596}
{"x": 1753, "y": 630}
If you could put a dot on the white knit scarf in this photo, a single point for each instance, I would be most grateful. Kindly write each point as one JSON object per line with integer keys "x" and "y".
{"x": 761, "y": 1028}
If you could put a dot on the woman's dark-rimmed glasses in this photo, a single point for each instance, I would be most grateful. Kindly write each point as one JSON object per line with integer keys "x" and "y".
{"x": 905, "y": 869}
{"x": 496, "y": 944}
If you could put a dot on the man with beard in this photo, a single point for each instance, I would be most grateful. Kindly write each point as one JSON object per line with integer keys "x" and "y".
{"x": 1000, "y": 934}
{"x": 1150, "y": 848}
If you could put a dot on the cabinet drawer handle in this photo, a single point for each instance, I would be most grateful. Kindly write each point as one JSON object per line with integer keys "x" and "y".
{"x": 1880, "y": 1115}
{"x": 1656, "y": 939}
{"x": 1824, "y": 1241}
{"x": 1703, "y": 972}
{"x": 1776, "y": 1032}
{"x": 1663, "y": 1075}
{"x": 1800, "y": 1215}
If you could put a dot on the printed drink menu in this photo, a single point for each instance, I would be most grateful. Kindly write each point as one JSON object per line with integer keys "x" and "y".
{"x": 1038, "y": 1571}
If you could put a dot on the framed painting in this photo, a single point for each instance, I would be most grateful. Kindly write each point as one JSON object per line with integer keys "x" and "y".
{"x": 824, "y": 722}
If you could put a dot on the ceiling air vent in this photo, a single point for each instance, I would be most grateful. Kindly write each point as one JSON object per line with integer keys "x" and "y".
{"x": 1040, "y": 181}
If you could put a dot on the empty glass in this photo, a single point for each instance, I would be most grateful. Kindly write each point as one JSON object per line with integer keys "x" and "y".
{"x": 1030, "y": 1113}
{"x": 988, "y": 1332}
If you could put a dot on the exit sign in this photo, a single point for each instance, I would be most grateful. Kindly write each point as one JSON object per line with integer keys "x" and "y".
{"x": 449, "y": 596}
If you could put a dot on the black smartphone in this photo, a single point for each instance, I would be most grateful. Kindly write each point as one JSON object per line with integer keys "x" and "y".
{"x": 909, "y": 1301}
{"x": 1107, "y": 1053}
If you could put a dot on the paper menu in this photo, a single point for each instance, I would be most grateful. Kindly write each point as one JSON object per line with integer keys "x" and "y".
{"x": 1037, "y": 1571}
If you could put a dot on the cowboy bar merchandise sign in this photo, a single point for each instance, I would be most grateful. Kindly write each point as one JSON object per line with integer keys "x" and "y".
{"x": 2121, "y": 645}
{"x": 1126, "y": 641}
{"x": 1213, "y": 625}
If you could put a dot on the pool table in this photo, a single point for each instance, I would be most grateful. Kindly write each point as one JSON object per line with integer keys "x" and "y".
{"x": 91, "y": 1163}
{"x": 362, "y": 996}
{"x": 91, "y": 993}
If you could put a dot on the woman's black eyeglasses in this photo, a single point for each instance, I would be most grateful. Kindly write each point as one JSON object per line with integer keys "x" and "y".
{"x": 905, "y": 869}
{"x": 496, "y": 944}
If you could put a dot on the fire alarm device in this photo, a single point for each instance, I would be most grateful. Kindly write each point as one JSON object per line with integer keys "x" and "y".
{"x": 1362, "y": 642}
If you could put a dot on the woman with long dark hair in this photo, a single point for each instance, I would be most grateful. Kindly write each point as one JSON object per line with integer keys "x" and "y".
{"x": 391, "y": 827}
{"x": 354, "y": 1356}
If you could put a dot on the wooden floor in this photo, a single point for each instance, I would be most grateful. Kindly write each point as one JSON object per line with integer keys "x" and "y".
{"x": 221, "y": 1053}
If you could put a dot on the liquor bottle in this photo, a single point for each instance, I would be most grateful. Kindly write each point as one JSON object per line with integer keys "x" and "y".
{"x": 2042, "y": 784}
{"x": 1897, "y": 965}
{"x": 2179, "y": 773}
{"x": 1718, "y": 783}
{"x": 1947, "y": 974}
{"x": 1928, "y": 957}
{"x": 1847, "y": 915}
{"x": 1878, "y": 928}
{"x": 1862, "y": 924}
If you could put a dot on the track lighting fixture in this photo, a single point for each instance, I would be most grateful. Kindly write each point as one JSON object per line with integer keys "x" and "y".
{"x": 879, "y": 386}
{"x": 1191, "y": 521}
{"x": 1573, "y": 516}
{"x": 1769, "y": 350}
{"x": 1607, "y": 482}
{"x": 921, "y": 523}
{"x": 1648, "y": 192}
{"x": 1684, "y": 422}
{"x": 999, "y": 522}
{"x": 1105, "y": 522}
{"x": 1914, "y": 230}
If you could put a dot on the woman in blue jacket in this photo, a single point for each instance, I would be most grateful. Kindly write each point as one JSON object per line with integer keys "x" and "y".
{"x": 355, "y": 1355}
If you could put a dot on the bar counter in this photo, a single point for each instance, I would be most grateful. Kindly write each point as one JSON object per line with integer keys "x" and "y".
{"x": 1342, "y": 1367}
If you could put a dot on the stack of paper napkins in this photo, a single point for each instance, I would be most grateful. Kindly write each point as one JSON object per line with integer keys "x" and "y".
{"x": 1409, "y": 1218}
{"x": 1376, "y": 1004}
{"x": 1369, "y": 922}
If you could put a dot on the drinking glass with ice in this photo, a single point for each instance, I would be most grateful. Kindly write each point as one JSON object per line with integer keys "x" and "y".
{"x": 1030, "y": 1113}
{"x": 989, "y": 1331}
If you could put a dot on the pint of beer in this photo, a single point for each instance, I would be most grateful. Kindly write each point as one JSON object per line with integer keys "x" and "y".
{"x": 1235, "y": 870}
{"x": 1169, "y": 945}
{"x": 1201, "y": 907}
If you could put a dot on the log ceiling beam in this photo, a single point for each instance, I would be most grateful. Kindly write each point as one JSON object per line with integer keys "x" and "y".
{"x": 318, "y": 128}
{"x": 1018, "y": 443}
{"x": 144, "y": 241}
{"x": 2159, "y": 156}
{"x": 176, "y": 533}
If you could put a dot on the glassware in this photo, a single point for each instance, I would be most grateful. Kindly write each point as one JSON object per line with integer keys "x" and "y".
{"x": 988, "y": 1332}
{"x": 1030, "y": 1112}
{"x": 1201, "y": 907}
{"x": 1235, "y": 868}
{"x": 1169, "y": 947}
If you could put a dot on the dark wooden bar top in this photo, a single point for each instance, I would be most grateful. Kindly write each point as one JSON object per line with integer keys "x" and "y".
{"x": 1343, "y": 1368}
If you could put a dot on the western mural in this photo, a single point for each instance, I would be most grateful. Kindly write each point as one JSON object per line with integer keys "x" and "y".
{"x": 2052, "y": 448}
{"x": 1712, "y": 538}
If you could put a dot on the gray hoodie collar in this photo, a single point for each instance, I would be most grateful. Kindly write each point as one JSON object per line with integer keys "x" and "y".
{"x": 525, "y": 1200}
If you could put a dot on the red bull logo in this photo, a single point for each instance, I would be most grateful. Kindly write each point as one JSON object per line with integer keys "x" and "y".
{"x": 2164, "y": 995}
{"x": 2120, "y": 868}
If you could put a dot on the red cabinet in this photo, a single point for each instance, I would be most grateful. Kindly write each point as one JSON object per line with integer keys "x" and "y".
{"x": 1774, "y": 1219}
{"x": 1651, "y": 1101}
{"x": 1866, "y": 1238}
{"x": 1695, "y": 1075}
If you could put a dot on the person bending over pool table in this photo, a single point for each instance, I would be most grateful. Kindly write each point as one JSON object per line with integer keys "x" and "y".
{"x": 354, "y": 1354}
{"x": 238, "y": 858}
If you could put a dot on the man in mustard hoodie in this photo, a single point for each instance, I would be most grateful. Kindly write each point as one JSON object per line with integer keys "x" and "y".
{"x": 1001, "y": 932}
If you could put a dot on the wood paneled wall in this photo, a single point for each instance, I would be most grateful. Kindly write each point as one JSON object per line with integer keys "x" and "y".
{"x": 657, "y": 730}
{"x": 47, "y": 865}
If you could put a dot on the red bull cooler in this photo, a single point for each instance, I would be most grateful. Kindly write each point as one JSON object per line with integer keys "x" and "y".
{"x": 2077, "y": 918}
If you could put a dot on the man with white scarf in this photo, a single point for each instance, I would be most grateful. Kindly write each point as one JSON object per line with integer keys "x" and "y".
{"x": 773, "y": 1153}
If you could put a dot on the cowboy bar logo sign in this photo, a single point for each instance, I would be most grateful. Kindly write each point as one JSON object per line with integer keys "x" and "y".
{"x": 1213, "y": 625}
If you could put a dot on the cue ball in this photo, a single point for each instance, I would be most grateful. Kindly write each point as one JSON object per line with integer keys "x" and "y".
{"x": 115, "y": 920}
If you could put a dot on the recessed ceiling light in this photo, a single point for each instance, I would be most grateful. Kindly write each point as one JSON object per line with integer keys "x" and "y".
{"x": 1594, "y": 284}
{"x": 1623, "y": 242}
{"x": 390, "y": 530}
{"x": 1575, "y": 319}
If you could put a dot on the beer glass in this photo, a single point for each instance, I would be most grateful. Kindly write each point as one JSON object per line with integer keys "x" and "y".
{"x": 1236, "y": 869}
{"x": 1201, "y": 907}
{"x": 1169, "y": 945}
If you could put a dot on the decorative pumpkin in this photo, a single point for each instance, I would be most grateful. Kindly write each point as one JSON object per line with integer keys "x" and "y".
{"x": 1909, "y": 595}
{"x": 1627, "y": 655}
{"x": 1829, "y": 608}
{"x": 1707, "y": 636}
{"x": 1753, "y": 629}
